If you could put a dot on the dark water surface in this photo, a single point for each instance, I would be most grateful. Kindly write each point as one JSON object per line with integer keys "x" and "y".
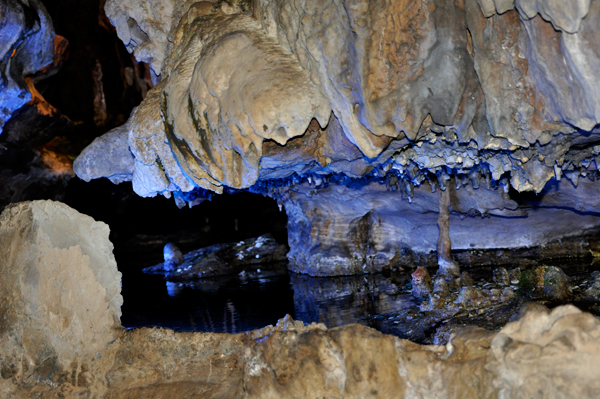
{"x": 256, "y": 299}
{"x": 260, "y": 297}
{"x": 229, "y": 304}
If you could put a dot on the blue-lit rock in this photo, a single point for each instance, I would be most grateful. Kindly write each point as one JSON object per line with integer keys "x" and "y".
{"x": 340, "y": 230}
{"x": 26, "y": 46}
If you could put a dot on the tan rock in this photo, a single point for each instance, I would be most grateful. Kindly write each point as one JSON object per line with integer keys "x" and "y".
{"x": 60, "y": 293}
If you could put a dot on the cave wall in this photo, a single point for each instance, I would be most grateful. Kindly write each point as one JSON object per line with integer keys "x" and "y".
{"x": 291, "y": 98}
{"x": 342, "y": 230}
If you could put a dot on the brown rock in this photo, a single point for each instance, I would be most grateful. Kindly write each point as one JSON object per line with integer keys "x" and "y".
{"x": 552, "y": 282}
{"x": 472, "y": 298}
{"x": 501, "y": 276}
{"x": 421, "y": 282}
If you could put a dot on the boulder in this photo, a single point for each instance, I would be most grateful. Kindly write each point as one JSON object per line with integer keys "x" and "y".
{"x": 173, "y": 256}
{"x": 553, "y": 282}
{"x": 60, "y": 291}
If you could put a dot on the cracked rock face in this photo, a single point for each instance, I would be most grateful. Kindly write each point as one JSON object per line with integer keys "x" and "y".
{"x": 269, "y": 96}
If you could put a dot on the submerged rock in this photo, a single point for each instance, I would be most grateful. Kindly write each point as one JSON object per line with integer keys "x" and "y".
{"x": 223, "y": 259}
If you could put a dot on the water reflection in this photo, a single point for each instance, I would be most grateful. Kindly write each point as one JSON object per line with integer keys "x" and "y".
{"x": 336, "y": 301}
{"x": 227, "y": 304}
{"x": 255, "y": 298}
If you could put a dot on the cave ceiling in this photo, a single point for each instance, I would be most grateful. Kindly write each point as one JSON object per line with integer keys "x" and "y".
{"x": 500, "y": 91}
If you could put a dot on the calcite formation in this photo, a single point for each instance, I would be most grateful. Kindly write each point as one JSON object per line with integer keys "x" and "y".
{"x": 61, "y": 337}
{"x": 298, "y": 99}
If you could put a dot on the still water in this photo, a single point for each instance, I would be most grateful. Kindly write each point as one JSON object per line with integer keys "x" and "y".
{"x": 255, "y": 299}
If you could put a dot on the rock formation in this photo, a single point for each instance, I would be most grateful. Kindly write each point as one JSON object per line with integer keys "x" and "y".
{"x": 61, "y": 337}
{"x": 367, "y": 105}
{"x": 60, "y": 296}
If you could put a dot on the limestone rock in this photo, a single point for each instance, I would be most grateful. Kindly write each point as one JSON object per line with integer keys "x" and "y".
{"x": 144, "y": 28}
{"x": 501, "y": 276}
{"x": 60, "y": 290}
{"x": 440, "y": 286}
{"x": 553, "y": 282}
{"x": 107, "y": 156}
{"x": 341, "y": 228}
{"x": 221, "y": 259}
{"x": 319, "y": 105}
{"x": 564, "y": 15}
{"x": 472, "y": 298}
{"x": 173, "y": 256}
{"x": 542, "y": 337}
{"x": 593, "y": 291}
{"x": 466, "y": 279}
{"x": 350, "y": 84}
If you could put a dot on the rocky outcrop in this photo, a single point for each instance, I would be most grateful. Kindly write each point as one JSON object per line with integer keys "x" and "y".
{"x": 61, "y": 336}
{"x": 345, "y": 228}
{"x": 476, "y": 84}
{"x": 222, "y": 259}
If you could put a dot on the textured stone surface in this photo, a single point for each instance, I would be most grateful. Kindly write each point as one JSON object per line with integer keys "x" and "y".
{"x": 386, "y": 73}
{"x": 344, "y": 229}
{"x": 60, "y": 300}
{"x": 317, "y": 104}
{"x": 107, "y": 156}
{"x": 222, "y": 259}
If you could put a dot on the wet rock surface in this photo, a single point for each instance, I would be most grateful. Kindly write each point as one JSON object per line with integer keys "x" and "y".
{"x": 489, "y": 301}
{"x": 225, "y": 259}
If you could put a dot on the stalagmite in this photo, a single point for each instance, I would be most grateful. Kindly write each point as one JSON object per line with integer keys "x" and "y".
{"x": 446, "y": 262}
